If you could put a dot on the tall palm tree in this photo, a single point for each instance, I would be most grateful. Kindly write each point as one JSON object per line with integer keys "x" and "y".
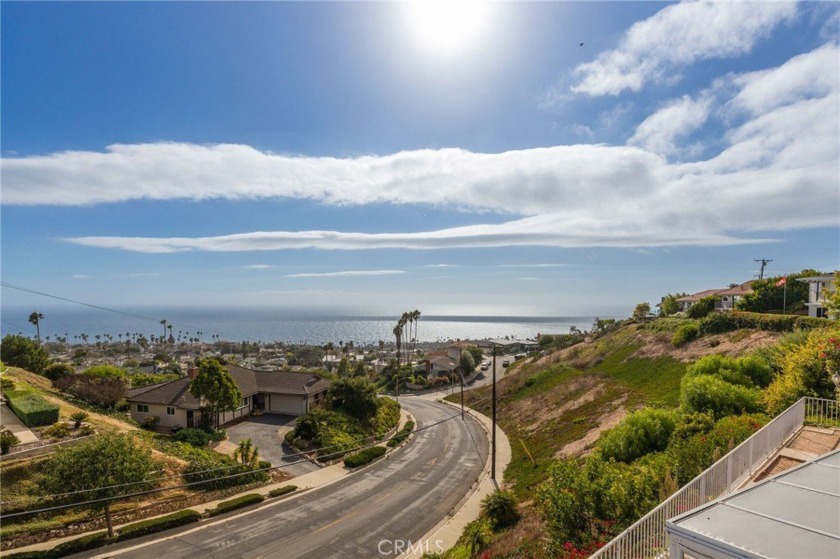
{"x": 398, "y": 335}
{"x": 35, "y": 318}
{"x": 164, "y": 329}
{"x": 415, "y": 315}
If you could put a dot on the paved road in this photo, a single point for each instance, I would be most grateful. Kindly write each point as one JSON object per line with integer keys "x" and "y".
{"x": 400, "y": 498}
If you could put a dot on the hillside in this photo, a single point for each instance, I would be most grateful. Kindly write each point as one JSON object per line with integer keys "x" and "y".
{"x": 557, "y": 406}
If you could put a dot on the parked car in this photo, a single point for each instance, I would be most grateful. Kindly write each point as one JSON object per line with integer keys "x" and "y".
{"x": 505, "y": 363}
{"x": 485, "y": 366}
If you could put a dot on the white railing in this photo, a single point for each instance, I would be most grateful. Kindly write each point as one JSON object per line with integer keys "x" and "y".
{"x": 647, "y": 537}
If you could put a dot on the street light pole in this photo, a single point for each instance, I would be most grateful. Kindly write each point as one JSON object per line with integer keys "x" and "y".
{"x": 493, "y": 444}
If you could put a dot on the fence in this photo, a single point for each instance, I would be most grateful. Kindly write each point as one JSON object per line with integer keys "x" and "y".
{"x": 647, "y": 537}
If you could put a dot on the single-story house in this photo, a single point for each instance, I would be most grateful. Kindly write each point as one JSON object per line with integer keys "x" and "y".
{"x": 278, "y": 392}
{"x": 688, "y": 300}
{"x": 441, "y": 363}
{"x": 728, "y": 298}
{"x": 818, "y": 287}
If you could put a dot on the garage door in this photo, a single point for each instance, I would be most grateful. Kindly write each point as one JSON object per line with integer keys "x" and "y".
{"x": 283, "y": 403}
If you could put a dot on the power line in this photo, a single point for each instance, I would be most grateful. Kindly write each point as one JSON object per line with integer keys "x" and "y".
{"x": 161, "y": 479}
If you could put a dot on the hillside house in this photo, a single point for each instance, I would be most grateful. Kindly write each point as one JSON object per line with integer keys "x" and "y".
{"x": 818, "y": 288}
{"x": 277, "y": 392}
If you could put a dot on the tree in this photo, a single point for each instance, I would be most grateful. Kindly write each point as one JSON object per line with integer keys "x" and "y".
{"x": 641, "y": 311}
{"x": 105, "y": 466}
{"x": 35, "y": 318}
{"x": 19, "y": 351}
{"x": 770, "y": 294}
{"x": 397, "y": 331}
{"x": 475, "y": 351}
{"x": 356, "y": 396}
{"x": 343, "y": 367}
{"x": 466, "y": 363}
{"x": 669, "y": 304}
{"x": 215, "y": 387}
{"x": 702, "y": 308}
{"x": 832, "y": 298}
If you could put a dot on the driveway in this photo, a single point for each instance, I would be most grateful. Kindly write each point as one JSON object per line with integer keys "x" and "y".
{"x": 266, "y": 433}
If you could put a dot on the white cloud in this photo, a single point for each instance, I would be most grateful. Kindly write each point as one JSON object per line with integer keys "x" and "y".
{"x": 660, "y": 131}
{"x": 654, "y": 49}
{"x": 441, "y": 266}
{"x": 349, "y": 273}
{"x": 532, "y": 265}
{"x": 144, "y": 274}
{"x": 778, "y": 171}
{"x": 258, "y": 266}
{"x": 81, "y": 276}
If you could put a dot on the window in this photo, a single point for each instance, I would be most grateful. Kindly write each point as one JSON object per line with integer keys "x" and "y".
{"x": 143, "y": 408}
{"x": 244, "y": 402}
{"x": 170, "y": 410}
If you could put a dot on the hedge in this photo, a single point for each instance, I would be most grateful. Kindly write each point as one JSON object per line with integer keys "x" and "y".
{"x": 237, "y": 503}
{"x": 684, "y": 334}
{"x": 31, "y": 408}
{"x": 72, "y": 547}
{"x": 153, "y": 525}
{"x": 363, "y": 457}
{"x": 717, "y": 323}
{"x": 280, "y": 491}
{"x": 402, "y": 435}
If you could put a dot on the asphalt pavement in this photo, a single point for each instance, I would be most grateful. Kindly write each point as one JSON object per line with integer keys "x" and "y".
{"x": 361, "y": 516}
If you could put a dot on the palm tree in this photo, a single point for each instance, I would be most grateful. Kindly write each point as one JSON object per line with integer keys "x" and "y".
{"x": 171, "y": 339}
{"x": 398, "y": 334}
{"x": 35, "y": 318}
{"x": 164, "y": 328}
{"x": 246, "y": 453}
{"x": 415, "y": 315}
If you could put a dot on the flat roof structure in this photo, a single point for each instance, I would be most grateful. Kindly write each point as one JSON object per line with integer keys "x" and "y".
{"x": 795, "y": 515}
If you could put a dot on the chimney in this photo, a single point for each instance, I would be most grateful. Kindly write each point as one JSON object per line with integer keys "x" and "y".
{"x": 193, "y": 372}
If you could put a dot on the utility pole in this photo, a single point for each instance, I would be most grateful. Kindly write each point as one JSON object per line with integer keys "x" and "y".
{"x": 493, "y": 439}
{"x": 764, "y": 263}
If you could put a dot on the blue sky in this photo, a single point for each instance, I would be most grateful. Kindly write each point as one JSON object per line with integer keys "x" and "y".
{"x": 446, "y": 158}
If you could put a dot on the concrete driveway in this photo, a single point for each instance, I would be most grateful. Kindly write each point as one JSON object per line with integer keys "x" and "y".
{"x": 266, "y": 433}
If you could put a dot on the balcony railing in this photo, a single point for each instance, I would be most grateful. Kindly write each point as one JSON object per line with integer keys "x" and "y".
{"x": 647, "y": 537}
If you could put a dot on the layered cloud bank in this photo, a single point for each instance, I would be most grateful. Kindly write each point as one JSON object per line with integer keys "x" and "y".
{"x": 777, "y": 169}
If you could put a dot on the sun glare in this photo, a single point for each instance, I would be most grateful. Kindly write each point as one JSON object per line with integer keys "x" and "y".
{"x": 448, "y": 27}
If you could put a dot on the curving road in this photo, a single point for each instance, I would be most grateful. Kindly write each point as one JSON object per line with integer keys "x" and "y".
{"x": 400, "y": 498}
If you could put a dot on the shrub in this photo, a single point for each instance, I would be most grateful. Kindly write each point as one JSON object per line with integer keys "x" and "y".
{"x": 78, "y": 418}
{"x": 8, "y": 440}
{"x": 217, "y": 435}
{"x": 756, "y": 370}
{"x": 78, "y": 545}
{"x": 807, "y": 371}
{"x": 150, "y": 422}
{"x": 6, "y": 385}
{"x": 139, "y": 380}
{"x": 280, "y": 491}
{"x": 363, "y": 457}
{"x": 717, "y": 323}
{"x": 153, "y": 525}
{"x": 214, "y": 474}
{"x": 237, "y": 503}
{"x": 647, "y": 430}
{"x": 193, "y": 436}
{"x": 387, "y": 416}
{"x": 22, "y": 352}
{"x": 56, "y": 371}
{"x": 402, "y": 435}
{"x": 101, "y": 391}
{"x": 692, "y": 423}
{"x": 720, "y": 366}
{"x": 709, "y": 394}
{"x": 701, "y": 308}
{"x": 106, "y": 371}
{"x": 500, "y": 509}
{"x": 31, "y": 408}
{"x": 58, "y": 430}
{"x": 685, "y": 334}
{"x": 355, "y": 396}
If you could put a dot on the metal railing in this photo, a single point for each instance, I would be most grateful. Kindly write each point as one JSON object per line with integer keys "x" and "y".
{"x": 647, "y": 537}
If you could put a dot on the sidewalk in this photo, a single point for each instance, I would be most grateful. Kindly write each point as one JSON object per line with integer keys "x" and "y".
{"x": 320, "y": 478}
{"x": 450, "y": 529}
{"x": 16, "y": 426}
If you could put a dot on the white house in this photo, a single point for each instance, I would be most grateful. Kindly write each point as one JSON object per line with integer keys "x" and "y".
{"x": 818, "y": 287}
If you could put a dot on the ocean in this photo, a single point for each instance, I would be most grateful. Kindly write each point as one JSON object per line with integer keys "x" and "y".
{"x": 277, "y": 324}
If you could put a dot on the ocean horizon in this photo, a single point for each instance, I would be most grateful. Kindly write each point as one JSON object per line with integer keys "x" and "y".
{"x": 291, "y": 325}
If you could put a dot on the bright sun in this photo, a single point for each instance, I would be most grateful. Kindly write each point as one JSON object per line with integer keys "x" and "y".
{"x": 447, "y": 27}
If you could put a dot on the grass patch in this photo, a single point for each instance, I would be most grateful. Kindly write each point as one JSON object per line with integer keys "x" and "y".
{"x": 655, "y": 381}
{"x": 280, "y": 491}
{"x": 237, "y": 503}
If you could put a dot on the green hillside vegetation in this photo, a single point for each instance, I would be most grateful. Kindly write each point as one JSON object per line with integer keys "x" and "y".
{"x": 603, "y": 431}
